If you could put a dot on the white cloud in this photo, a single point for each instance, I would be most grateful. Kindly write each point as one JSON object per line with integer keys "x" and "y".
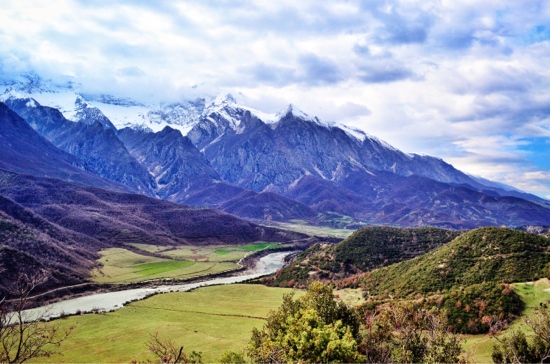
{"x": 462, "y": 80}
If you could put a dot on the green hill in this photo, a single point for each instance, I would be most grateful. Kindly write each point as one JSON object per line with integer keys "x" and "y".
{"x": 479, "y": 256}
{"x": 469, "y": 277}
{"x": 366, "y": 249}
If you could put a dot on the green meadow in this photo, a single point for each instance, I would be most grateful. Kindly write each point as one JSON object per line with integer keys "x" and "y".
{"x": 211, "y": 320}
{"x": 219, "y": 318}
{"x": 305, "y": 228}
{"x": 119, "y": 265}
{"x": 123, "y": 266}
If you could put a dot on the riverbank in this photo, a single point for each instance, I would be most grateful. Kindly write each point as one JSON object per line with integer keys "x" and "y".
{"x": 246, "y": 265}
{"x": 118, "y": 296}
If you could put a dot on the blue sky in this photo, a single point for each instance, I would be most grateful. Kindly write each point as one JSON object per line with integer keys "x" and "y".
{"x": 467, "y": 81}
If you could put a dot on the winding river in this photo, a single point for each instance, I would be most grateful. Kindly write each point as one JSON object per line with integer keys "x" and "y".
{"x": 115, "y": 300}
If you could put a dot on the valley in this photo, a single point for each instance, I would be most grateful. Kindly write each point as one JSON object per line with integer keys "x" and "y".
{"x": 219, "y": 195}
{"x": 119, "y": 265}
{"x": 197, "y": 320}
{"x": 348, "y": 181}
{"x": 194, "y": 319}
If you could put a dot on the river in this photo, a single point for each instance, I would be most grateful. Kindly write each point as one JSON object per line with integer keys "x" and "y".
{"x": 114, "y": 300}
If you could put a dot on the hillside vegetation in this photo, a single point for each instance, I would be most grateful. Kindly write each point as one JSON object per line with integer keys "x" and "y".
{"x": 470, "y": 277}
{"x": 366, "y": 249}
{"x": 479, "y": 256}
{"x": 29, "y": 243}
{"x": 60, "y": 226}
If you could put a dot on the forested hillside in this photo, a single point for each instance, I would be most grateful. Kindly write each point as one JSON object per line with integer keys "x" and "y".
{"x": 366, "y": 249}
{"x": 470, "y": 277}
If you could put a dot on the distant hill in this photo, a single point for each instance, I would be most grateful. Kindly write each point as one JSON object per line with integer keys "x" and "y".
{"x": 281, "y": 167}
{"x": 117, "y": 218}
{"x": 61, "y": 226}
{"x": 29, "y": 242}
{"x": 540, "y": 230}
{"x": 96, "y": 145}
{"x": 366, "y": 249}
{"x": 23, "y": 150}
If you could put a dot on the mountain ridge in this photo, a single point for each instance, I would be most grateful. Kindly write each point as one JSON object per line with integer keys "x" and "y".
{"x": 225, "y": 149}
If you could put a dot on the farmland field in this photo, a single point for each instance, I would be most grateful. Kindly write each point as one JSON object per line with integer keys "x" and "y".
{"x": 210, "y": 253}
{"x": 322, "y": 231}
{"x": 121, "y": 265}
{"x": 211, "y": 320}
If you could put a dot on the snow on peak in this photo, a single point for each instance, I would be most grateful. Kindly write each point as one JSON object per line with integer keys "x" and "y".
{"x": 28, "y": 83}
{"x": 383, "y": 143}
{"x": 362, "y": 136}
{"x": 292, "y": 110}
{"x": 80, "y": 103}
{"x": 31, "y": 103}
{"x": 354, "y": 132}
{"x": 227, "y": 108}
{"x": 223, "y": 100}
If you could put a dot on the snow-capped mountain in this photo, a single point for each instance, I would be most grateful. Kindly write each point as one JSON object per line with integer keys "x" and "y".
{"x": 112, "y": 111}
{"x": 120, "y": 112}
{"x": 268, "y": 166}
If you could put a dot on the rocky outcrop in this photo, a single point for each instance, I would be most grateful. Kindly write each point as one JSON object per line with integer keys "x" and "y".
{"x": 99, "y": 148}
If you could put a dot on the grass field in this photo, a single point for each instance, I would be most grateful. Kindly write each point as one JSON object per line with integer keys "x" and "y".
{"x": 322, "y": 231}
{"x": 211, "y": 253}
{"x": 211, "y": 320}
{"x": 123, "y": 266}
{"x": 480, "y": 347}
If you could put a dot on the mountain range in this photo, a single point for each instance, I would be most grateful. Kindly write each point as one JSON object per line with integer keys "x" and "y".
{"x": 251, "y": 164}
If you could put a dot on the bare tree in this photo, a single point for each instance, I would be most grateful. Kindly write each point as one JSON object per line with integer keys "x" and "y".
{"x": 23, "y": 337}
{"x": 167, "y": 351}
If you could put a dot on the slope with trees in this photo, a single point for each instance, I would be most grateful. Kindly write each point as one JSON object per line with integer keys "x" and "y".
{"x": 366, "y": 249}
{"x": 469, "y": 277}
{"x": 315, "y": 328}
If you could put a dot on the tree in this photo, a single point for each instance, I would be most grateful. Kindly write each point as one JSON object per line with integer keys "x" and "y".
{"x": 312, "y": 328}
{"x": 23, "y": 337}
{"x": 231, "y": 357}
{"x": 517, "y": 349}
{"x": 405, "y": 333}
{"x": 167, "y": 351}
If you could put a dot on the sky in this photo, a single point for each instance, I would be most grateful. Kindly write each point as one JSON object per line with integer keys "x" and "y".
{"x": 467, "y": 81}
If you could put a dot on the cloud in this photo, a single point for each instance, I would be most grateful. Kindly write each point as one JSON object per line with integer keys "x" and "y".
{"x": 130, "y": 72}
{"x": 381, "y": 72}
{"x": 269, "y": 74}
{"x": 462, "y": 80}
{"x": 317, "y": 70}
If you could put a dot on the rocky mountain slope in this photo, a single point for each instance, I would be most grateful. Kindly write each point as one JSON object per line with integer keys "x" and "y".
{"x": 23, "y": 150}
{"x": 98, "y": 147}
{"x": 281, "y": 167}
{"x": 117, "y": 218}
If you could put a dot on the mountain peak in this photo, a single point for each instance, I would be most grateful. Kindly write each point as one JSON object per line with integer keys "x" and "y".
{"x": 292, "y": 111}
{"x": 222, "y": 100}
